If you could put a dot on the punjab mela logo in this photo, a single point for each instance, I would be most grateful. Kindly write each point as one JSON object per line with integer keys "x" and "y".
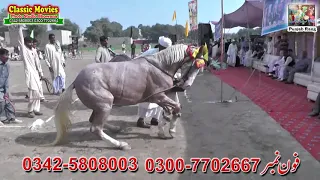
{"x": 302, "y": 18}
{"x": 36, "y": 14}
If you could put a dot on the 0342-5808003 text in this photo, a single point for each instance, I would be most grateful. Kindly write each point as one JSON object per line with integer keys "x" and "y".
{"x": 82, "y": 164}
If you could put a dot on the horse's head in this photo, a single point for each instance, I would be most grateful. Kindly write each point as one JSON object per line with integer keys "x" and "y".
{"x": 194, "y": 60}
{"x": 187, "y": 58}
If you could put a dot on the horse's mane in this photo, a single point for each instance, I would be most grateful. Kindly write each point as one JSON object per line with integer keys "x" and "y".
{"x": 120, "y": 58}
{"x": 172, "y": 54}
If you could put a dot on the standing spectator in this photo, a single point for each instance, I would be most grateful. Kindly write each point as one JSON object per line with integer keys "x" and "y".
{"x": 123, "y": 47}
{"x": 31, "y": 74}
{"x": 269, "y": 46}
{"x": 232, "y": 53}
{"x": 56, "y": 63}
{"x": 103, "y": 54}
{"x": 277, "y": 46}
{"x": 133, "y": 50}
{"x": 284, "y": 45}
{"x": 7, "y": 112}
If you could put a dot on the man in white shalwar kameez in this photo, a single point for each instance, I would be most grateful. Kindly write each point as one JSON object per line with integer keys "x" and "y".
{"x": 232, "y": 53}
{"x": 153, "y": 110}
{"x": 39, "y": 68}
{"x": 103, "y": 53}
{"x": 31, "y": 73}
{"x": 272, "y": 66}
{"x": 56, "y": 63}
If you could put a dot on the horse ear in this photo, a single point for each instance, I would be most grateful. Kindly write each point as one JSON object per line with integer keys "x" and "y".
{"x": 200, "y": 52}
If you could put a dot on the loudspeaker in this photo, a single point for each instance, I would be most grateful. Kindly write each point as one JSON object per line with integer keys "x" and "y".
{"x": 173, "y": 38}
{"x": 204, "y": 33}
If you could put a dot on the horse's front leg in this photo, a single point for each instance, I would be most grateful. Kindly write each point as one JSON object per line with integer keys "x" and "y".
{"x": 175, "y": 115}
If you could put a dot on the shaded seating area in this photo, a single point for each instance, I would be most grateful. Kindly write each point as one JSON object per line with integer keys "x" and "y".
{"x": 286, "y": 103}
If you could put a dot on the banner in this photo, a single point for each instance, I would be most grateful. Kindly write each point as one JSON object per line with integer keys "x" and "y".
{"x": 193, "y": 14}
{"x": 217, "y": 29}
{"x": 275, "y": 15}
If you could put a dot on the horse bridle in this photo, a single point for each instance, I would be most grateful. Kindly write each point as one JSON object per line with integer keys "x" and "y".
{"x": 184, "y": 77}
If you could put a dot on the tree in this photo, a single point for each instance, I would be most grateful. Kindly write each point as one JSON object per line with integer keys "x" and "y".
{"x": 99, "y": 28}
{"x": 68, "y": 25}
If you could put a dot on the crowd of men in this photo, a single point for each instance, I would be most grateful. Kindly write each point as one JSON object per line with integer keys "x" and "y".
{"x": 33, "y": 76}
{"x": 282, "y": 69}
{"x": 244, "y": 52}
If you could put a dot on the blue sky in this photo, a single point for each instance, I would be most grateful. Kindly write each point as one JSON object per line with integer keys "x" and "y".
{"x": 134, "y": 12}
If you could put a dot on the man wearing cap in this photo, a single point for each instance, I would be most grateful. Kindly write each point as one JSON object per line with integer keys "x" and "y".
{"x": 232, "y": 53}
{"x": 151, "y": 109}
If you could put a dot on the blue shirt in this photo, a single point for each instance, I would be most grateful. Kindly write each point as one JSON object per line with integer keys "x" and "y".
{"x": 4, "y": 76}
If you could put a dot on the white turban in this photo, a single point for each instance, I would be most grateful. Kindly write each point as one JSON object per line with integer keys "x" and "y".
{"x": 164, "y": 41}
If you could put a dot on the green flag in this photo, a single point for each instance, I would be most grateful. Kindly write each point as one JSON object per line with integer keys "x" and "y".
{"x": 32, "y": 34}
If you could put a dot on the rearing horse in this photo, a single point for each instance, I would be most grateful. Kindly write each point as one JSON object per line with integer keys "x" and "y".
{"x": 145, "y": 79}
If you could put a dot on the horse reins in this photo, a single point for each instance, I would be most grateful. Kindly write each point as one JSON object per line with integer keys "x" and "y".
{"x": 157, "y": 66}
{"x": 179, "y": 80}
{"x": 47, "y": 82}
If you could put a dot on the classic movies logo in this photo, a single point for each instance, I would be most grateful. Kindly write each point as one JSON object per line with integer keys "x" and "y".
{"x": 36, "y": 14}
{"x": 302, "y": 18}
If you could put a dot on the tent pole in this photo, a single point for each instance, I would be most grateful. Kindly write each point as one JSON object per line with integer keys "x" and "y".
{"x": 222, "y": 49}
{"x": 313, "y": 53}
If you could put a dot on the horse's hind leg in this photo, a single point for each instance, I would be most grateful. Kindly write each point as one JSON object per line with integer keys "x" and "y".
{"x": 111, "y": 128}
{"x": 97, "y": 128}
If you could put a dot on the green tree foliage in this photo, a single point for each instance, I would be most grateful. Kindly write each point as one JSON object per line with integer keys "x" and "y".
{"x": 68, "y": 25}
{"x": 104, "y": 26}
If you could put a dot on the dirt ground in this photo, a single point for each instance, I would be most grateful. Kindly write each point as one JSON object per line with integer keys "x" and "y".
{"x": 206, "y": 129}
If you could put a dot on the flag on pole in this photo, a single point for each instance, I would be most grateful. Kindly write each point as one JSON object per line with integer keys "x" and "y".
{"x": 32, "y": 34}
{"x": 174, "y": 17}
{"x": 131, "y": 34}
{"x": 186, "y": 33}
{"x": 205, "y": 52}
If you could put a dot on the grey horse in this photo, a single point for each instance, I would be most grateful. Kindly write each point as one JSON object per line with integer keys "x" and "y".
{"x": 145, "y": 79}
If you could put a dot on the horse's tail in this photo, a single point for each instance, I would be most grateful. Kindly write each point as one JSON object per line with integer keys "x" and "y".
{"x": 62, "y": 114}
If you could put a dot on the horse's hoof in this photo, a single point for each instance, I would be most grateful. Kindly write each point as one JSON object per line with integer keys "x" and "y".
{"x": 172, "y": 133}
{"x": 162, "y": 136}
{"x": 124, "y": 146}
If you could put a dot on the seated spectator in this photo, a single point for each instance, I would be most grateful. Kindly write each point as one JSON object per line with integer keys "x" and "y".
{"x": 248, "y": 58}
{"x": 287, "y": 61}
{"x": 304, "y": 65}
{"x": 271, "y": 66}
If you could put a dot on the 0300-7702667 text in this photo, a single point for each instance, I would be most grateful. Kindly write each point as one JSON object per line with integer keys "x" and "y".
{"x": 161, "y": 165}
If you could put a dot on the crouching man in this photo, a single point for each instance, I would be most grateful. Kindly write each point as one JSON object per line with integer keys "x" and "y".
{"x": 7, "y": 112}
